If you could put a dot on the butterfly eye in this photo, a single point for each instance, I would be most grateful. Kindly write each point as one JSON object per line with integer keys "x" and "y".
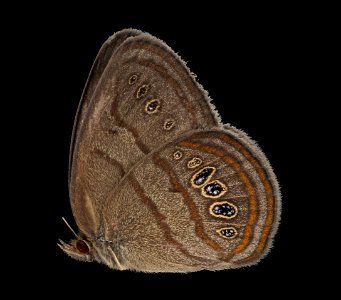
{"x": 82, "y": 247}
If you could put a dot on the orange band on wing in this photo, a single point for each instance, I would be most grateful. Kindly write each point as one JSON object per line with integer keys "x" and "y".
{"x": 269, "y": 194}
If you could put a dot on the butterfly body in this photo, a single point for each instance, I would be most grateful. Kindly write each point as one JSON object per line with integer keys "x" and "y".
{"x": 157, "y": 182}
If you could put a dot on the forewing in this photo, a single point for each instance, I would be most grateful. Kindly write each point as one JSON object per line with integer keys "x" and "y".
{"x": 139, "y": 96}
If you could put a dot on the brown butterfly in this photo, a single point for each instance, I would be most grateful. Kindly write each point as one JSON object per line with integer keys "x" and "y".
{"x": 157, "y": 182}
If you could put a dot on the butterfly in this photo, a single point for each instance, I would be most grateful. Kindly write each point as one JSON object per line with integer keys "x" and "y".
{"x": 157, "y": 182}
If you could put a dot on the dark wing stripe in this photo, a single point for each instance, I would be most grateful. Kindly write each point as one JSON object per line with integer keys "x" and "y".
{"x": 161, "y": 220}
{"x": 194, "y": 212}
{"x": 114, "y": 113}
{"x": 110, "y": 160}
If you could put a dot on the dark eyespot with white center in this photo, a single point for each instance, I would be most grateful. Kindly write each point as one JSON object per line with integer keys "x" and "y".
{"x": 202, "y": 176}
{"x": 177, "y": 155}
{"x": 223, "y": 210}
{"x": 168, "y": 125}
{"x": 227, "y": 232}
{"x": 152, "y": 106}
{"x": 132, "y": 79}
{"x": 142, "y": 91}
{"x": 214, "y": 189}
{"x": 194, "y": 162}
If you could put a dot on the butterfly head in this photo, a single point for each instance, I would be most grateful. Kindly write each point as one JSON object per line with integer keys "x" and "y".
{"x": 79, "y": 249}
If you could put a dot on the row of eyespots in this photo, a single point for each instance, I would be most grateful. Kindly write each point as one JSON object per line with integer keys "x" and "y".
{"x": 215, "y": 189}
{"x": 153, "y": 105}
{"x": 221, "y": 209}
{"x": 212, "y": 189}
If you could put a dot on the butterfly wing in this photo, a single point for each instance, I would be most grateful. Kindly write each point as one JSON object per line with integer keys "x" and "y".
{"x": 207, "y": 200}
{"x": 139, "y": 96}
{"x": 99, "y": 65}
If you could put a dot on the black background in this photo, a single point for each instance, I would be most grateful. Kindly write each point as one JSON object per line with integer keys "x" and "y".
{"x": 252, "y": 60}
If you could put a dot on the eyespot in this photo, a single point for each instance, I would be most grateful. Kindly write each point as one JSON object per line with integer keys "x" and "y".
{"x": 202, "y": 176}
{"x": 214, "y": 189}
{"x": 194, "y": 162}
{"x": 177, "y": 154}
{"x": 168, "y": 125}
{"x": 132, "y": 79}
{"x": 152, "y": 106}
{"x": 227, "y": 232}
{"x": 142, "y": 91}
{"x": 82, "y": 247}
{"x": 224, "y": 210}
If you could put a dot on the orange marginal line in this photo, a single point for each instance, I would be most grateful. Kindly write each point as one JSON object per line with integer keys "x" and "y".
{"x": 269, "y": 194}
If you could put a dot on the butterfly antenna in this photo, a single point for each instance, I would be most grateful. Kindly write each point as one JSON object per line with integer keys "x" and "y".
{"x": 68, "y": 225}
